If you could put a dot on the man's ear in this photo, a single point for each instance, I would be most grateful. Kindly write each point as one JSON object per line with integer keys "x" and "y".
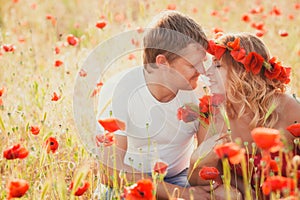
{"x": 161, "y": 60}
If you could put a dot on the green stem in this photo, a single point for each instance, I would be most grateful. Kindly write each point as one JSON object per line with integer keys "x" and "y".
{"x": 211, "y": 183}
{"x": 115, "y": 179}
{"x": 227, "y": 177}
{"x": 245, "y": 179}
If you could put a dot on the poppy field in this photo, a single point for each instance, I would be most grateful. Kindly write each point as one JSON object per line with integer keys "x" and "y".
{"x": 43, "y": 45}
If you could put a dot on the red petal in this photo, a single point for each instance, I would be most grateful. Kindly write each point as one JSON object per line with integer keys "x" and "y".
{"x": 294, "y": 129}
{"x": 112, "y": 124}
{"x": 266, "y": 138}
{"x": 160, "y": 167}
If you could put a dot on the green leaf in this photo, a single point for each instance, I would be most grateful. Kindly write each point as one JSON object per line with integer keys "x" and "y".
{"x": 193, "y": 106}
{"x": 1, "y": 123}
{"x": 271, "y": 109}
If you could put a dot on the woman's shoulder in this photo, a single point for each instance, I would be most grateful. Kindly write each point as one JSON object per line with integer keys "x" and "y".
{"x": 289, "y": 108}
{"x": 289, "y": 102}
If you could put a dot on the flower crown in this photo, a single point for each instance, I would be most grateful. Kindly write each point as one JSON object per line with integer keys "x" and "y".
{"x": 253, "y": 62}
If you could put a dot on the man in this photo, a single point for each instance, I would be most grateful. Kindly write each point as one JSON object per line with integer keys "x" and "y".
{"x": 147, "y": 98}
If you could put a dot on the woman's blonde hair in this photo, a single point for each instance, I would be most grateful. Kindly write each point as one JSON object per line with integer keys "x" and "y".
{"x": 254, "y": 94}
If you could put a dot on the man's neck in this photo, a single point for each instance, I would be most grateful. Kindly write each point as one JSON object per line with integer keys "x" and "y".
{"x": 158, "y": 87}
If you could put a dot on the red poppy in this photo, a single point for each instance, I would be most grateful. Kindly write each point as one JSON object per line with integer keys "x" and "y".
{"x": 259, "y": 26}
{"x": 234, "y": 45}
{"x": 160, "y": 167}
{"x": 253, "y": 62}
{"x": 57, "y": 50}
{"x": 106, "y": 139}
{"x": 216, "y": 49}
{"x": 135, "y": 42}
{"x": 14, "y": 152}
{"x": 80, "y": 190}
{"x": 257, "y": 10}
{"x": 112, "y": 124}
{"x": 230, "y": 150}
{"x": 187, "y": 114}
{"x": 55, "y": 97}
{"x": 101, "y": 24}
{"x": 239, "y": 55}
{"x": 21, "y": 39}
{"x": 273, "y": 166}
{"x": 9, "y": 47}
{"x": 97, "y": 89}
{"x": 58, "y": 63}
{"x": 49, "y": 17}
{"x": 140, "y": 30}
{"x": 51, "y": 144}
{"x": 217, "y": 30}
{"x": 260, "y": 33}
{"x": 209, "y": 173}
{"x": 275, "y": 11}
{"x": 142, "y": 190}
{"x": 171, "y": 6}
{"x": 35, "y": 130}
{"x": 275, "y": 71}
{"x": 283, "y": 33}
{"x": 284, "y": 75}
{"x": 72, "y": 40}
{"x": 237, "y": 52}
{"x": 195, "y": 10}
{"x": 1, "y": 91}
{"x": 294, "y": 129}
{"x": 16, "y": 188}
{"x": 266, "y": 138}
{"x": 82, "y": 73}
{"x": 246, "y": 18}
{"x": 205, "y": 104}
{"x": 131, "y": 56}
{"x": 214, "y": 13}
{"x": 277, "y": 183}
{"x": 208, "y": 106}
{"x": 1, "y": 102}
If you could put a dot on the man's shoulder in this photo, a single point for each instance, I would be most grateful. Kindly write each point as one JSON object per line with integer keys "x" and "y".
{"x": 121, "y": 84}
{"x": 117, "y": 89}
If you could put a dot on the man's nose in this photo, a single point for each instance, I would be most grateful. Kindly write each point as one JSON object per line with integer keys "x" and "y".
{"x": 200, "y": 68}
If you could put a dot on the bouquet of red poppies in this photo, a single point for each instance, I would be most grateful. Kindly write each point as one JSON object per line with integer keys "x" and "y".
{"x": 208, "y": 106}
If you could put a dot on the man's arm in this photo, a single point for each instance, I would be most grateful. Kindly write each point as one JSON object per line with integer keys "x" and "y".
{"x": 204, "y": 155}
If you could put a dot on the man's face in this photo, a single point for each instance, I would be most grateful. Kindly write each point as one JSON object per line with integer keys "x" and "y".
{"x": 188, "y": 67}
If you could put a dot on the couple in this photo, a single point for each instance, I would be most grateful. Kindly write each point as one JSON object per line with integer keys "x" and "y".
{"x": 147, "y": 98}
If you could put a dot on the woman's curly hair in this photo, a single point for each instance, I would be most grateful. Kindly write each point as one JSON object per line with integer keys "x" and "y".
{"x": 253, "y": 93}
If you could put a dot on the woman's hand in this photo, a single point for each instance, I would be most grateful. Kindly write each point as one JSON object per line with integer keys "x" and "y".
{"x": 204, "y": 155}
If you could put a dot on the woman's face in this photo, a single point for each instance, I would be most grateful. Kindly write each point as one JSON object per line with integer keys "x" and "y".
{"x": 217, "y": 74}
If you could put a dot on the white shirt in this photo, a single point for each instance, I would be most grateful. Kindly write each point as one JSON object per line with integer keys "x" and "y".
{"x": 152, "y": 128}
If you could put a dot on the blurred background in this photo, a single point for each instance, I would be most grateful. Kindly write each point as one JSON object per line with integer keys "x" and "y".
{"x": 44, "y": 43}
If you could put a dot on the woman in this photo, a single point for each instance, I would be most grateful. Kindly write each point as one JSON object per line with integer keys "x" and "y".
{"x": 255, "y": 84}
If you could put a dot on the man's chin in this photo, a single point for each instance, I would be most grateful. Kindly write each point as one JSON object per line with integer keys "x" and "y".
{"x": 191, "y": 87}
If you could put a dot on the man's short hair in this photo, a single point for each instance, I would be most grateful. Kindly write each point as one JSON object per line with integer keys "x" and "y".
{"x": 168, "y": 33}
